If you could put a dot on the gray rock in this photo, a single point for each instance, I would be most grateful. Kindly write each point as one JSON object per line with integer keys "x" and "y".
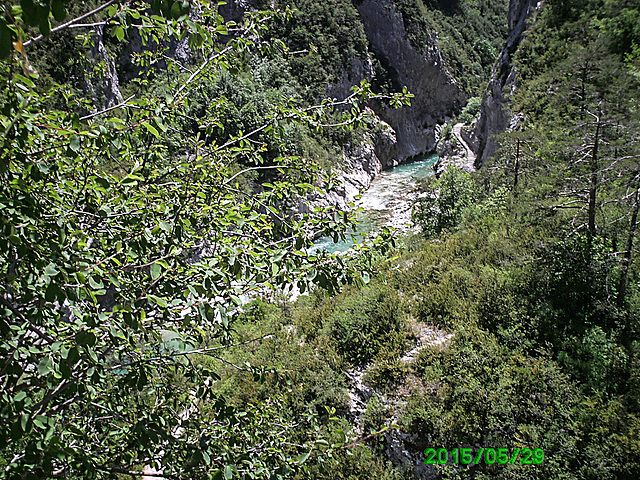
{"x": 494, "y": 113}
{"x": 437, "y": 96}
{"x": 106, "y": 86}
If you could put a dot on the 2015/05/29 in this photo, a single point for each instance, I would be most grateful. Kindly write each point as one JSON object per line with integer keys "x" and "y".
{"x": 502, "y": 456}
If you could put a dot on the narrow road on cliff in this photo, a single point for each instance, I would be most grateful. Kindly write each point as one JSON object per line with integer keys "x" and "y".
{"x": 467, "y": 162}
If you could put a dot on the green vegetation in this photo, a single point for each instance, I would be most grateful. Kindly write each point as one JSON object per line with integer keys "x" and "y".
{"x": 328, "y": 36}
{"x": 141, "y": 242}
{"x": 471, "y": 110}
{"x": 130, "y": 233}
{"x": 443, "y": 201}
{"x": 531, "y": 266}
{"x": 469, "y": 33}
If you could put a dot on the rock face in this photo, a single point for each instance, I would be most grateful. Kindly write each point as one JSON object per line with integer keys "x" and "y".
{"x": 455, "y": 151}
{"x": 106, "y": 86}
{"x": 437, "y": 96}
{"x": 357, "y": 169}
{"x": 494, "y": 114}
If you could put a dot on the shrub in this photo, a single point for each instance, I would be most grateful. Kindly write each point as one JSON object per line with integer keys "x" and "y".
{"x": 471, "y": 110}
{"x": 365, "y": 322}
{"x": 444, "y": 202}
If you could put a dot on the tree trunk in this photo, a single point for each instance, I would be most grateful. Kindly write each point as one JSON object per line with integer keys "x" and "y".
{"x": 593, "y": 187}
{"x": 626, "y": 260}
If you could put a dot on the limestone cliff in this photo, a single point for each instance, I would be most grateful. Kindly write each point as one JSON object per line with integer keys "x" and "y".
{"x": 437, "y": 96}
{"x": 358, "y": 167}
{"x": 104, "y": 87}
{"x": 495, "y": 115}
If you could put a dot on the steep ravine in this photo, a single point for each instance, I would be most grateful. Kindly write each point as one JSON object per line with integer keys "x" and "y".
{"x": 495, "y": 115}
{"x": 400, "y": 134}
{"x": 405, "y": 133}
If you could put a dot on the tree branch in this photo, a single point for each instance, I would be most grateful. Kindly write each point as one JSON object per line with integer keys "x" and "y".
{"x": 71, "y": 22}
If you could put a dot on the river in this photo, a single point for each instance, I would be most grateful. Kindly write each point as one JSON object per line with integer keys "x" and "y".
{"x": 388, "y": 201}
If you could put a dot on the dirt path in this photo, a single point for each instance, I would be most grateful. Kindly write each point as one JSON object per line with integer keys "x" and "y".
{"x": 467, "y": 162}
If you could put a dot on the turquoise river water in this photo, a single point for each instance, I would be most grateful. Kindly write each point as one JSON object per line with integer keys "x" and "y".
{"x": 388, "y": 201}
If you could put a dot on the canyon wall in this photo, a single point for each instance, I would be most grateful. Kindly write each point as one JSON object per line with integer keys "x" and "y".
{"x": 495, "y": 115}
{"x": 437, "y": 97}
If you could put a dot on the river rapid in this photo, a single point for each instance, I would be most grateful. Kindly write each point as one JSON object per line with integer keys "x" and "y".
{"x": 387, "y": 202}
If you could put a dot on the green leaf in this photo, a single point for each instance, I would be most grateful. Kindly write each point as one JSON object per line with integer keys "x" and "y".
{"x": 24, "y": 422}
{"x": 5, "y": 40}
{"x": 29, "y": 13}
{"x": 52, "y": 270}
{"x": 103, "y": 182}
{"x": 52, "y": 292}
{"x": 118, "y": 32}
{"x": 114, "y": 280}
{"x": 15, "y": 240}
{"x": 156, "y": 271}
{"x": 303, "y": 458}
{"x": 96, "y": 283}
{"x": 228, "y": 473}
{"x": 84, "y": 337}
{"x": 40, "y": 421}
{"x": 20, "y": 396}
{"x": 151, "y": 129}
{"x": 45, "y": 366}
{"x": 45, "y": 27}
{"x": 131, "y": 180}
{"x": 176, "y": 10}
{"x": 75, "y": 143}
{"x": 161, "y": 302}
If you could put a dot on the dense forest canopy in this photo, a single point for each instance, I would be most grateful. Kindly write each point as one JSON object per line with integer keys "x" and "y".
{"x": 150, "y": 206}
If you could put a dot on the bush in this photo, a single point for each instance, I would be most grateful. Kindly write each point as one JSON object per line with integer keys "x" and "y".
{"x": 444, "y": 201}
{"x": 471, "y": 110}
{"x": 478, "y": 394}
{"x": 366, "y": 322}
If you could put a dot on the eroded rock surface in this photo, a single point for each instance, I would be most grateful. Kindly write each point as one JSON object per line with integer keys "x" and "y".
{"x": 495, "y": 115}
{"x": 437, "y": 96}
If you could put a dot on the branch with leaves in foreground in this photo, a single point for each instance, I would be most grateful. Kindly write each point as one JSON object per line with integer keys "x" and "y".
{"x": 100, "y": 266}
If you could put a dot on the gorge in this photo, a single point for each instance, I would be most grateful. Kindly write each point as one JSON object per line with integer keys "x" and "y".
{"x": 166, "y": 167}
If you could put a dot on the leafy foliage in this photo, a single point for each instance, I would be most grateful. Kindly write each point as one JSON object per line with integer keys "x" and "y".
{"x": 443, "y": 202}
{"x": 362, "y": 325}
{"x": 120, "y": 261}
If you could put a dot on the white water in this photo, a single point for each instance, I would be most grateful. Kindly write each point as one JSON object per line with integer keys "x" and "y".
{"x": 388, "y": 201}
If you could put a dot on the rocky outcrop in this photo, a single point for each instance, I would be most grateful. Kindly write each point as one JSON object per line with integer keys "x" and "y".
{"x": 361, "y": 68}
{"x": 401, "y": 447}
{"x": 437, "y": 96}
{"x": 359, "y": 166}
{"x": 105, "y": 86}
{"x": 455, "y": 151}
{"x": 495, "y": 115}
